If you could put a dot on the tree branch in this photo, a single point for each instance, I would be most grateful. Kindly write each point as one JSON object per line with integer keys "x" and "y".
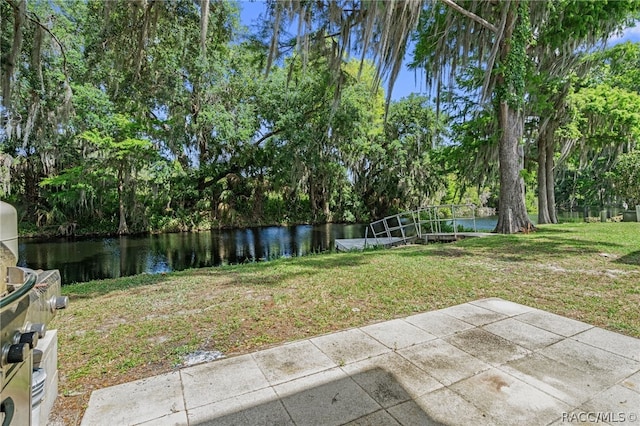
{"x": 204, "y": 25}
{"x": 281, "y": 129}
{"x": 267, "y": 136}
{"x": 36, "y": 21}
{"x": 470, "y": 15}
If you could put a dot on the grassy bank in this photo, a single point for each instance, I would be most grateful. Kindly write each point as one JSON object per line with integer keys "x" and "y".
{"x": 123, "y": 329}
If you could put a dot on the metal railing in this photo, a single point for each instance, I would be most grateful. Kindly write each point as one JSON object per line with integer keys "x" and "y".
{"x": 405, "y": 227}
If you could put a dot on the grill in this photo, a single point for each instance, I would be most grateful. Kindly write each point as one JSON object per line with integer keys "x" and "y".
{"x": 28, "y": 302}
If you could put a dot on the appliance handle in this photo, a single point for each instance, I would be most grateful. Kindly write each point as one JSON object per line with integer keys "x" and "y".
{"x": 7, "y": 408}
{"x": 21, "y": 291}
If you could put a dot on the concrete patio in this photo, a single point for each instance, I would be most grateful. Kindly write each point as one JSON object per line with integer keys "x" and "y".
{"x": 481, "y": 363}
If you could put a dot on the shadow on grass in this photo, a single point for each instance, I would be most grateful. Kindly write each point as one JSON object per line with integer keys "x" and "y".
{"x": 101, "y": 287}
{"x": 248, "y": 274}
{"x": 553, "y": 229}
{"x": 632, "y": 258}
{"x": 272, "y": 273}
{"x": 520, "y": 248}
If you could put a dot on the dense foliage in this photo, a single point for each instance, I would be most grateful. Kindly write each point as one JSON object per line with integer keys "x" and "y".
{"x": 159, "y": 116}
{"x": 161, "y": 131}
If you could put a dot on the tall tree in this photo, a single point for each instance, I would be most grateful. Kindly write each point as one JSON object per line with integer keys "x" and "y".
{"x": 316, "y": 135}
{"x": 122, "y": 150}
{"x": 497, "y": 35}
{"x": 605, "y": 123}
{"x": 401, "y": 168}
{"x": 601, "y": 122}
{"x": 36, "y": 93}
{"x": 519, "y": 32}
{"x": 626, "y": 177}
{"x": 557, "y": 58}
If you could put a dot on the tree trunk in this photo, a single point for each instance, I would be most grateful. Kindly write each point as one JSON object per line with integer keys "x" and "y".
{"x": 546, "y": 177}
{"x": 9, "y": 64}
{"x": 543, "y": 205}
{"x": 512, "y": 213}
{"x": 551, "y": 181}
{"x": 204, "y": 24}
{"x": 325, "y": 201}
{"x": 123, "y": 229}
{"x": 312, "y": 197}
{"x": 258, "y": 199}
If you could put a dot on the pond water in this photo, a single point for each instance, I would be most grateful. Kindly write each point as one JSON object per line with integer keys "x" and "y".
{"x": 82, "y": 259}
{"x": 85, "y": 259}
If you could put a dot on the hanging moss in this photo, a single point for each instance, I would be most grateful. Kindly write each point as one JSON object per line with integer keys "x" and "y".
{"x": 514, "y": 67}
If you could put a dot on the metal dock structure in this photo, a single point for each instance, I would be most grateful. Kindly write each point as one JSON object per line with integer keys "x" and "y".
{"x": 432, "y": 223}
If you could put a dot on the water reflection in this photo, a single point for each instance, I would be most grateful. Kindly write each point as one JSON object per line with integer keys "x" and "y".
{"x": 98, "y": 258}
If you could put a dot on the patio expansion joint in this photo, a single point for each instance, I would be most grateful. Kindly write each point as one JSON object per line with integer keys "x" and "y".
{"x": 451, "y": 388}
{"x": 606, "y": 350}
{"x": 184, "y": 398}
{"x": 502, "y": 368}
{"x": 426, "y": 371}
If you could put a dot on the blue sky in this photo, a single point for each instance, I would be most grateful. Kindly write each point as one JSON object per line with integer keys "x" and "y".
{"x": 408, "y": 81}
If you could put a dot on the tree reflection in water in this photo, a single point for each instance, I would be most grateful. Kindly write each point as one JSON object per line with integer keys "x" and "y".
{"x": 82, "y": 260}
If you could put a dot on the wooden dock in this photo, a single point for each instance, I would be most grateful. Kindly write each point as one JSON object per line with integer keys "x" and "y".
{"x": 362, "y": 243}
{"x": 424, "y": 224}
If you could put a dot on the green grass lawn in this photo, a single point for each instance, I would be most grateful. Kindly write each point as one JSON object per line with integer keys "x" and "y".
{"x": 128, "y": 328}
